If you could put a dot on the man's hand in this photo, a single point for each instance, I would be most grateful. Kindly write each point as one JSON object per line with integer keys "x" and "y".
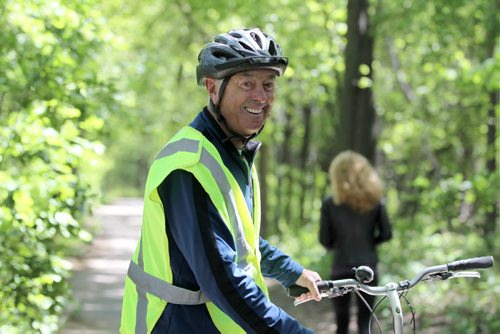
{"x": 308, "y": 280}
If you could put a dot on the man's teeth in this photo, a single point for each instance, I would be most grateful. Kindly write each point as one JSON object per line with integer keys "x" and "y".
{"x": 254, "y": 111}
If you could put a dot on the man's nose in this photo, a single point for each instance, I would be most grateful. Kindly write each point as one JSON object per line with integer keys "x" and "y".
{"x": 259, "y": 94}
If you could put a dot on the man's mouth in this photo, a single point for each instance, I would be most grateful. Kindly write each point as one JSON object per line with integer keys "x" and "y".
{"x": 254, "y": 111}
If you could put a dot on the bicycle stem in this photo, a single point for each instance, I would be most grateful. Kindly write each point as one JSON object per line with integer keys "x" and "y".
{"x": 397, "y": 312}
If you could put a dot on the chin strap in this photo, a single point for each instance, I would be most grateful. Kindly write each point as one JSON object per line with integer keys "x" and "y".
{"x": 222, "y": 120}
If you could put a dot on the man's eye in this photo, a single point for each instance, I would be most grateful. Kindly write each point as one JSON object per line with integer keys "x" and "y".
{"x": 247, "y": 84}
{"x": 270, "y": 87}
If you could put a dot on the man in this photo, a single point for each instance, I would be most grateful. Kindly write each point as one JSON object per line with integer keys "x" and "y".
{"x": 199, "y": 264}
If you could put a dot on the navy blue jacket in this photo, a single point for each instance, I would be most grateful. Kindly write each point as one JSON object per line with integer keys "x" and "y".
{"x": 202, "y": 251}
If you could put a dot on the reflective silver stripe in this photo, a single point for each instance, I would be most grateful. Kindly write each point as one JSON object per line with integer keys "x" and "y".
{"x": 141, "y": 310}
{"x": 142, "y": 301}
{"x": 191, "y": 146}
{"x": 146, "y": 283}
{"x": 163, "y": 290}
{"x": 182, "y": 145}
{"x": 241, "y": 244}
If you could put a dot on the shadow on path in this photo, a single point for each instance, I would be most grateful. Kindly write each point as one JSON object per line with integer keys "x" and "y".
{"x": 99, "y": 275}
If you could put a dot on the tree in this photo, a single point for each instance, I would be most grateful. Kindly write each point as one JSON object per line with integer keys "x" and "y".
{"x": 53, "y": 105}
{"x": 355, "y": 130}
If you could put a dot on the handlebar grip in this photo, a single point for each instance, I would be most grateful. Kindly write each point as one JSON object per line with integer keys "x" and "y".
{"x": 473, "y": 263}
{"x": 296, "y": 290}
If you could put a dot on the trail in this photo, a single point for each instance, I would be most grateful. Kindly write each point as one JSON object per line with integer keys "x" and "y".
{"x": 99, "y": 275}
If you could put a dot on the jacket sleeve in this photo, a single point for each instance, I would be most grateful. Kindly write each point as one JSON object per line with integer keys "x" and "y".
{"x": 208, "y": 248}
{"x": 326, "y": 233}
{"x": 274, "y": 263}
{"x": 384, "y": 225}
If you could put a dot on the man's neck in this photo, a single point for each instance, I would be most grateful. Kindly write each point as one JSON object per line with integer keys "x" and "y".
{"x": 236, "y": 141}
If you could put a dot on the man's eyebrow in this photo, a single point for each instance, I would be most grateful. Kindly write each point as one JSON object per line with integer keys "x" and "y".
{"x": 251, "y": 75}
{"x": 247, "y": 75}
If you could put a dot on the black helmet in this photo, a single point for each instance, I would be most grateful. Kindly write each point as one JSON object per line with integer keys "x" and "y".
{"x": 239, "y": 50}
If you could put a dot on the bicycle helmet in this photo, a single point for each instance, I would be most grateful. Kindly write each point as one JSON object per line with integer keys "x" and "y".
{"x": 239, "y": 50}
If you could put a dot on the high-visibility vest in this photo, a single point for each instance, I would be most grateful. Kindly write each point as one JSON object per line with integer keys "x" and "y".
{"x": 148, "y": 285}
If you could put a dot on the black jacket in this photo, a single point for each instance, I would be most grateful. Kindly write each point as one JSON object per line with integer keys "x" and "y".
{"x": 353, "y": 236}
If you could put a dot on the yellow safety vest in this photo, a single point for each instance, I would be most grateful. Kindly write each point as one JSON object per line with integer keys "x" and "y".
{"x": 148, "y": 285}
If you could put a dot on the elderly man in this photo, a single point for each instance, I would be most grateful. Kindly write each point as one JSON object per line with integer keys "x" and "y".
{"x": 200, "y": 263}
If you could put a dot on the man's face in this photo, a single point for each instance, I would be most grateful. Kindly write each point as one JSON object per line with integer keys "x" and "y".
{"x": 248, "y": 99}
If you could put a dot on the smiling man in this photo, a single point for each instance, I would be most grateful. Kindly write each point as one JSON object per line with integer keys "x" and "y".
{"x": 200, "y": 263}
{"x": 244, "y": 114}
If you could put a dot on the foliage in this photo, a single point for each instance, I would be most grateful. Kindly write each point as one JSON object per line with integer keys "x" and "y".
{"x": 434, "y": 99}
{"x": 53, "y": 103}
{"x": 463, "y": 305}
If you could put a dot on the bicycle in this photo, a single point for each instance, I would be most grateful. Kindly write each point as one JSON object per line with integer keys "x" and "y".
{"x": 392, "y": 290}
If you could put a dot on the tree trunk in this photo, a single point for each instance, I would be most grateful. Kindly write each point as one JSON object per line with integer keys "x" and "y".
{"x": 491, "y": 226}
{"x": 282, "y": 189}
{"x": 304, "y": 160}
{"x": 357, "y": 115}
{"x": 263, "y": 182}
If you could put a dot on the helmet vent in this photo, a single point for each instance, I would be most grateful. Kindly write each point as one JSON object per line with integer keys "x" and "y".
{"x": 256, "y": 38}
{"x": 272, "y": 49}
{"x": 235, "y": 34}
{"x": 220, "y": 55}
{"x": 246, "y": 46}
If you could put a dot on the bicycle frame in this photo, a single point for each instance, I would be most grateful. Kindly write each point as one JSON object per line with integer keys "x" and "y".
{"x": 392, "y": 290}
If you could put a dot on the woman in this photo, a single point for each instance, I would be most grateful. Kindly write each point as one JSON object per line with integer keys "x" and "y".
{"x": 353, "y": 222}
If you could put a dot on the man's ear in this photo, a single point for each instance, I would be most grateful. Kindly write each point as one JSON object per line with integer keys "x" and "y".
{"x": 212, "y": 89}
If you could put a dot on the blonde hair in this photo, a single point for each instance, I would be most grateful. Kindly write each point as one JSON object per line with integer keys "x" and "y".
{"x": 355, "y": 182}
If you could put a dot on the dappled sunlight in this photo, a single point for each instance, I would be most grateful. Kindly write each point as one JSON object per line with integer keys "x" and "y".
{"x": 107, "y": 265}
{"x": 127, "y": 207}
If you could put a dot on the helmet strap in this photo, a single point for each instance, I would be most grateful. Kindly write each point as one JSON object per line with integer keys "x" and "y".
{"x": 216, "y": 107}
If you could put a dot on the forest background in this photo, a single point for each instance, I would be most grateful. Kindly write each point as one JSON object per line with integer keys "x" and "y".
{"x": 90, "y": 91}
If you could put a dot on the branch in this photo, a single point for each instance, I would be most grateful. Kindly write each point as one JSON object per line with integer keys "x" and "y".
{"x": 400, "y": 75}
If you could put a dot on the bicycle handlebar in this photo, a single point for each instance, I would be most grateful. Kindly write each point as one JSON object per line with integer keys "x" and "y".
{"x": 473, "y": 263}
{"x": 327, "y": 286}
{"x": 296, "y": 290}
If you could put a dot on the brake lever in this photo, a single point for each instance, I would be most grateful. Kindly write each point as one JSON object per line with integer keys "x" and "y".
{"x": 332, "y": 293}
{"x": 471, "y": 274}
{"x": 298, "y": 302}
{"x": 451, "y": 274}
